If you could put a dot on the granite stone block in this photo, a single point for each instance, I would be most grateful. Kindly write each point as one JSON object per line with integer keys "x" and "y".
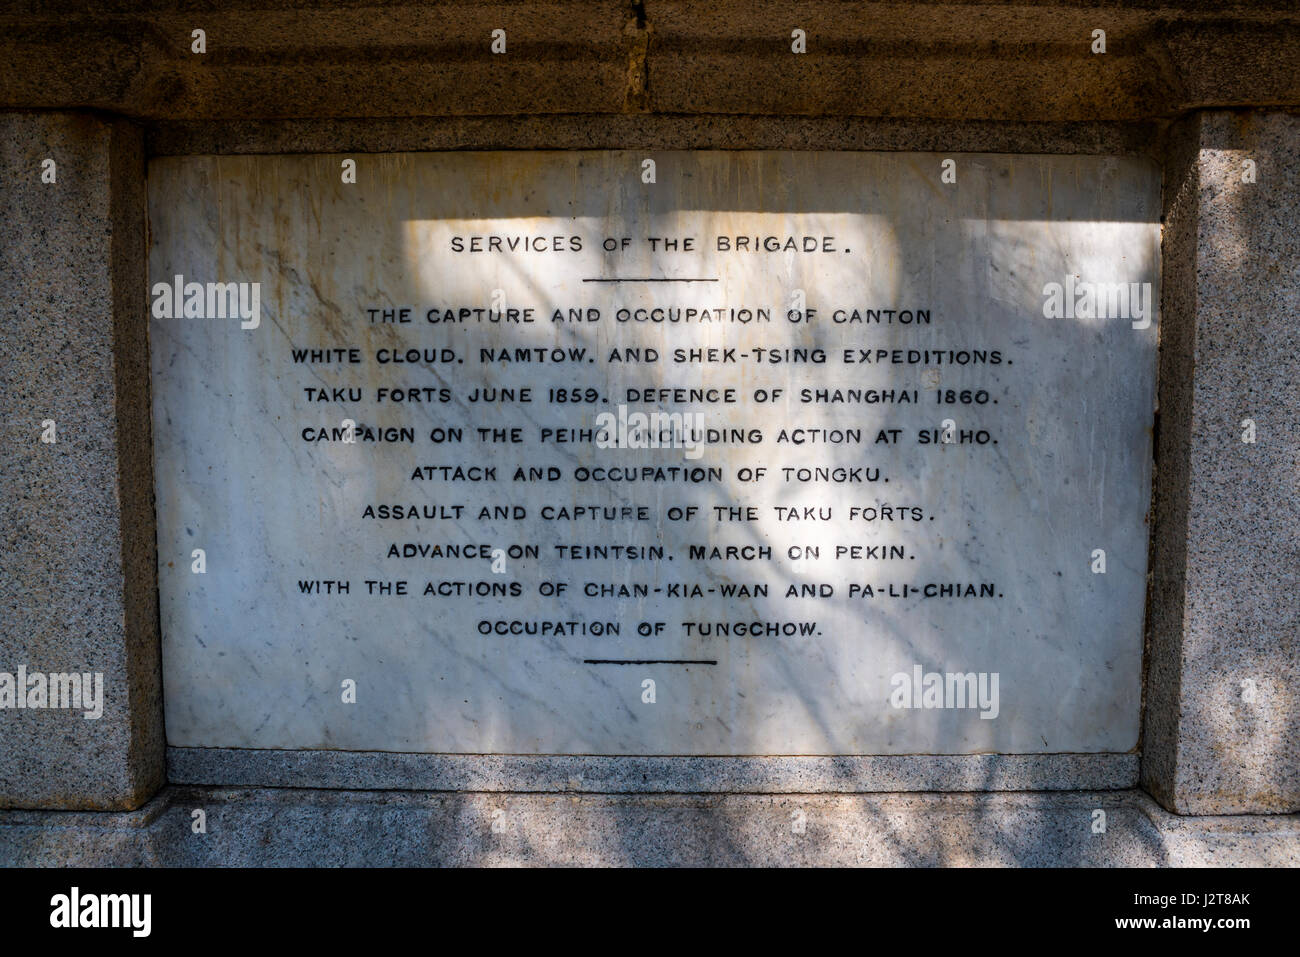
{"x": 807, "y": 774}
{"x": 292, "y": 828}
{"x": 1222, "y": 730}
{"x": 77, "y": 582}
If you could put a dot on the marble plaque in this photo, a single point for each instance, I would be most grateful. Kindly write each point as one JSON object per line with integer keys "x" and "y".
{"x": 683, "y": 453}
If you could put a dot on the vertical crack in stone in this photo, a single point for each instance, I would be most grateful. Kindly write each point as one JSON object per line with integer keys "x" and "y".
{"x": 636, "y": 95}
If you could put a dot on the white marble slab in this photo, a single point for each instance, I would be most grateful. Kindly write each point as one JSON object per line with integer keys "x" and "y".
{"x": 250, "y": 661}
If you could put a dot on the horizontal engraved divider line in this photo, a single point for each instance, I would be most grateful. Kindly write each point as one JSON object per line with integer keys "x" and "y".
{"x": 650, "y": 279}
{"x": 649, "y": 661}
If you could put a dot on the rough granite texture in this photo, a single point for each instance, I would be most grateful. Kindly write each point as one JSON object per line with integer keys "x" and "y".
{"x": 289, "y": 828}
{"x": 77, "y": 565}
{"x": 942, "y": 59}
{"x": 378, "y": 770}
{"x": 647, "y": 131}
{"x": 971, "y": 59}
{"x": 273, "y": 58}
{"x": 1222, "y": 727}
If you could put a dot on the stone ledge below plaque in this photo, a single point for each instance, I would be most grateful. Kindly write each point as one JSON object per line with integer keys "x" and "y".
{"x": 623, "y": 774}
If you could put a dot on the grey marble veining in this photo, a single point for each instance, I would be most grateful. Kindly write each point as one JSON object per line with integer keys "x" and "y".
{"x": 252, "y": 662}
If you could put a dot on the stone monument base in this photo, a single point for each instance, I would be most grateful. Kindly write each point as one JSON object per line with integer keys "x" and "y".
{"x": 248, "y": 827}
